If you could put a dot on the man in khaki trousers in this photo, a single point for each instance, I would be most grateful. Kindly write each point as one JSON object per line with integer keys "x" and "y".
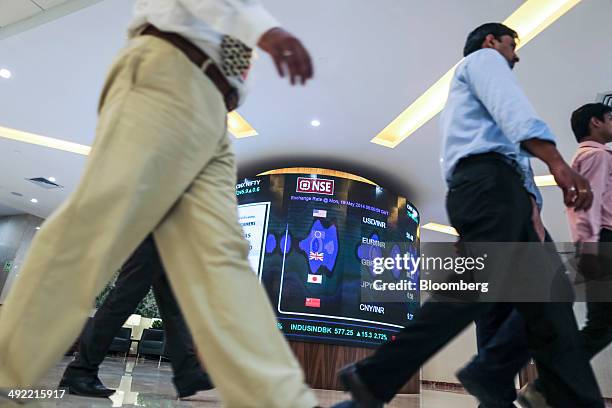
{"x": 162, "y": 163}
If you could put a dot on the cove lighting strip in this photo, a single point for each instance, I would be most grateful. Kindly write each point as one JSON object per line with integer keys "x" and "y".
{"x": 545, "y": 181}
{"x": 529, "y": 20}
{"x": 238, "y": 126}
{"x": 445, "y": 229}
{"x": 44, "y": 141}
{"x": 235, "y": 123}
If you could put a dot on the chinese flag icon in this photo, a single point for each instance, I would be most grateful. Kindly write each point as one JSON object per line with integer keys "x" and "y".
{"x": 313, "y": 302}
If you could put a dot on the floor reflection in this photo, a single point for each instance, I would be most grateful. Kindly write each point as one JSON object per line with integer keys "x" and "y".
{"x": 143, "y": 384}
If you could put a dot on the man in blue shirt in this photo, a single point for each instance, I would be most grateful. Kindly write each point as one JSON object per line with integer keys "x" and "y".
{"x": 489, "y": 129}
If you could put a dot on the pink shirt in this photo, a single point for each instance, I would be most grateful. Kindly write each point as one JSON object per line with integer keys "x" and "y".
{"x": 593, "y": 161}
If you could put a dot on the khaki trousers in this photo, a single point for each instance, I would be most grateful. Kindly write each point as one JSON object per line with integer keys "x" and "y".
{"x": 161, "y": 162}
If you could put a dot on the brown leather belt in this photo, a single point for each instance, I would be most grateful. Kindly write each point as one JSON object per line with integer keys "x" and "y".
{"x": 200, "y": 59}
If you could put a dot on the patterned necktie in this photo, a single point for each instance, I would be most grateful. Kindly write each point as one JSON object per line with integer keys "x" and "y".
{"x": 235, "y": 57}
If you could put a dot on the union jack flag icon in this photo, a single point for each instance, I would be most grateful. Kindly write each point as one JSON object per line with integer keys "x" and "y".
{"x": 316, "y": 256}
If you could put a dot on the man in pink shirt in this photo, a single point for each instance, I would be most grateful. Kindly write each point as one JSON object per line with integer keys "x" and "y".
{"x": 592, "y": 229}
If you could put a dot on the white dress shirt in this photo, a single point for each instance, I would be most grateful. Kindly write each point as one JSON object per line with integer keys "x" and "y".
{"x": 205, "y": 22}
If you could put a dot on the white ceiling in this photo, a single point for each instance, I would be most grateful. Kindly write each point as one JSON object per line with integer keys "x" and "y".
{"x": 14, "y": 11}
{"x": 21, "y": 15}
{"x": 372, "y": 59}
{"x": 5, "y": 210}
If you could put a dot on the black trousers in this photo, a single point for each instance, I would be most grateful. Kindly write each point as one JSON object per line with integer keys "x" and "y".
{"x": 502, "y": 352}
{"x": 141, "y": 271}
{"x": 597, "y": 332}
{"x": 500, "y": 357}
{"x": 487, "y": 202}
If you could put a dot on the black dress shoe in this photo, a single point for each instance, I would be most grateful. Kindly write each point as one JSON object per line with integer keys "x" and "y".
{"x": 86, "y": 387}
{"x": 202, "y": 384}
{"x": 487, "y": 394}
{"x": 362, "y": 396}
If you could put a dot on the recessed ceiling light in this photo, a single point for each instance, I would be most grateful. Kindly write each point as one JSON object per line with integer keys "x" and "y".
{"x": 34, "y": 200}
{"x": 37, "y": 228}
{"x": 51, "y": 179}
{"x": 5, "y": 73}
{"x": 315, "y": 123}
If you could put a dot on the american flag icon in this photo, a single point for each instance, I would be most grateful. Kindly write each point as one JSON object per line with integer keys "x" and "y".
{"x": 316, "y": 256}
{"x": 319, "y": 213}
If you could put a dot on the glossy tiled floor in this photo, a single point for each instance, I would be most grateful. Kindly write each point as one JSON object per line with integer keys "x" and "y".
{"x": 145, "y": 385}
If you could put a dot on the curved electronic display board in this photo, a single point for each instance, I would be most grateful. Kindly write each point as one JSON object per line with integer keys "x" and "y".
{"x": 313, "y": 239}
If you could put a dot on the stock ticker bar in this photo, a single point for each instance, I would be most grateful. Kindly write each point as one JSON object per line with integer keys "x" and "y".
{"x": 334, "y": 333}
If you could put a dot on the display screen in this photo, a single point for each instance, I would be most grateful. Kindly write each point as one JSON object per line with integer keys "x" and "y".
{"x": 313, "y": 239}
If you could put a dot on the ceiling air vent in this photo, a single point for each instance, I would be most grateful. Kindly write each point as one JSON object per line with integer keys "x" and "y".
{"x": 44, "y": 183}
{"x": 605, "y": 98}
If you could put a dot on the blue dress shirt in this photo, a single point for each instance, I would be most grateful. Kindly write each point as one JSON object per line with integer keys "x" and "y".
{"x": 528, "y": 181}
{"x": 487, "y": 111}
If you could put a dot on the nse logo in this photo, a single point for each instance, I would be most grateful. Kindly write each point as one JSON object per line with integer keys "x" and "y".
{"x": 315, "y": 186}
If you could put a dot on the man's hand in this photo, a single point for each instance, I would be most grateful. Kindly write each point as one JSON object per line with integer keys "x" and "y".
{"x": 288, "y": 53}
{"x": 576, "y": 189}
